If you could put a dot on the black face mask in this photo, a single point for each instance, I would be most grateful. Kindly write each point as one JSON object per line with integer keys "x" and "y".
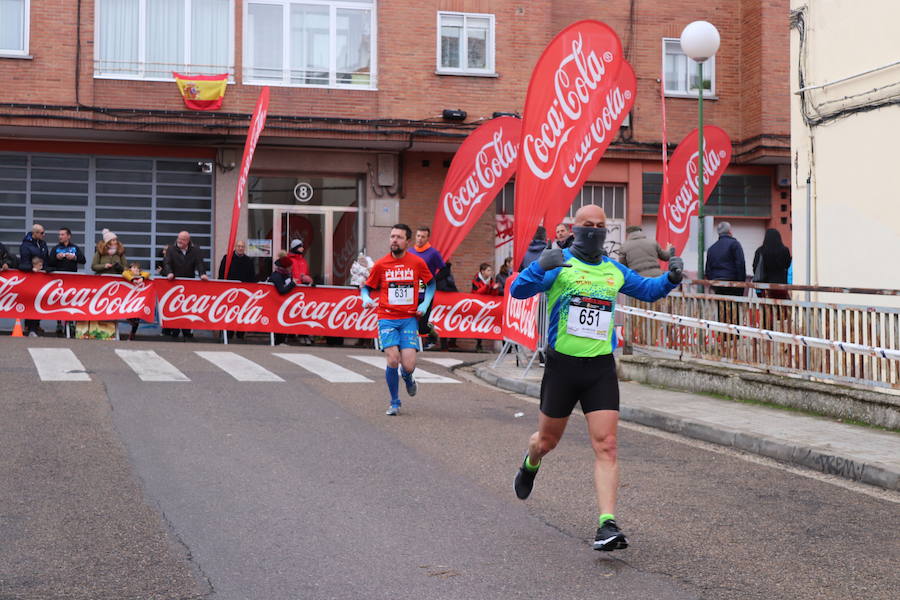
{"x": 588, "y": 245}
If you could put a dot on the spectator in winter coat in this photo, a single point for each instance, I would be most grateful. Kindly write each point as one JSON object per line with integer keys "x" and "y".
{"x": 641, "y": 254}
{"x": 483, "y": 282}
{"x": 283, "y": 281}
{"x": 772, "y": 260}
{"x": 33, "y": 244}
{"x": 445, "y": 282}
{"x": 7, "y": 260}
{"x": 109, "y": 256}
{"x": 183, "y": 260}
{"x": 537, "y": 245}
{"x": 66, "y": 256}
{"x": 725, "y": 261}
{"x": 299, "y": 266}
{"x": 503, "y": 275}
{"x": 564, "y": 237}
{"x": 241, "y": 268}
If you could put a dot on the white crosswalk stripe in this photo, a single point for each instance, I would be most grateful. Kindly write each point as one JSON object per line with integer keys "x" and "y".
{"x": 242, "y": 369}
{"x": 58, "y": 364}
{"x": 444, "y": 362}
{"x": 422, "y": 376}
{"x": 150, "y": 366}
{"x": 325, "y": 369}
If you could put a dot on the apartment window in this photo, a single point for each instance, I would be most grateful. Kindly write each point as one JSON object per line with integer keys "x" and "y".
{"x": 734, "y": 196}
{"x": 148, "y": 39}
{"x": 310, "y": 43}
{"x": 14, "y": 27}
{"x": 465, "y": 44}
{"x": 681, "y": 72}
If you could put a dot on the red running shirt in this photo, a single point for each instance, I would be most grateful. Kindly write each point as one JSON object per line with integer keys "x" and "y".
{"x": 397, "y": 280}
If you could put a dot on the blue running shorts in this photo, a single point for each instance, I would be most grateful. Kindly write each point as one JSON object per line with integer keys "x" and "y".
{"x": 398, "y": 332}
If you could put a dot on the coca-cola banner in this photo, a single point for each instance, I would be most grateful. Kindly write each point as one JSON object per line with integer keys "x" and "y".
{"x": 520, "y": 318}
{"x": 675, "y": 212}
{"x": 336, "y": 312}
{"x": 481, "y": 167}
{"x": 571, "y": 114}
{"x": 71, "y": 297}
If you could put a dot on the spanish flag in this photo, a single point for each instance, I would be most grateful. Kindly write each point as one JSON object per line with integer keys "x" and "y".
{"x": 202, "y": 92}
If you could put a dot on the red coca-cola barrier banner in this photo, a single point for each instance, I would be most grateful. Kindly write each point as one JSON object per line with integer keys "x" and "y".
{"x": 575, "y": 103}
{"x": 481, "y": 167}
{"x": 70, "y": 297}
{"x": 683, "y": 189}
{"x": 520, "y": 318}
{"x": 218, "y": 305}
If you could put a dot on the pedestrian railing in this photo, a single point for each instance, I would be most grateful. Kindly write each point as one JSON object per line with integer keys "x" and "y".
{"x": 825, "y": 341}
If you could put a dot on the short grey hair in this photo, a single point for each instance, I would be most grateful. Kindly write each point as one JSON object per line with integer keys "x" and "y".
{"x": 723, "y": 227}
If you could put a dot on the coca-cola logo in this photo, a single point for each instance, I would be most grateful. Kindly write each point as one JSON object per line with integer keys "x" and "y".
{"x": 575, "y": 82}
{"x": 256, "y": 127}
{"x": 231, "y": 306}
{"x": 468, "y": 315}
{"x": 521, "y": 315}
{"x": 491, "y": 161}
{"x": 113, "y": 298}
{"x": 687, "y": 198}
{"x": 8, "y": 297}
{"x": 347, "y": 313}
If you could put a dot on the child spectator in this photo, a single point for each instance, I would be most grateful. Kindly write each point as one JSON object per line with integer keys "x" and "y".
{"x": 503, "y": 275}
{"x": 484, "y": 283}
{"x": 37, "y": 265}
{"x": 136, "y": 277}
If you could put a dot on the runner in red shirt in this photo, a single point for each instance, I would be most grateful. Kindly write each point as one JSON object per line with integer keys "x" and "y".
{"x": 397, "y": 276}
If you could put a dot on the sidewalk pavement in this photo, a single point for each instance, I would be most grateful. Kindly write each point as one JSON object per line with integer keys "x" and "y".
{"x": 855, "y": 452}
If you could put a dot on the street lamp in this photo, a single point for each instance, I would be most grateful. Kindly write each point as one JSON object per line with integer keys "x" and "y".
{"x": 700, "y": 41}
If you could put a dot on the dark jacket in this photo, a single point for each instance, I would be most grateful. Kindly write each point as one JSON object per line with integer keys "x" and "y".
{"x": 641, "y": 254}
{"x": 66, "y": 264}
{"x": 775, "y": 263}
{"x": 501, "y": 279}
{"x": 444, "y": 281}
{"x": 241, "y": 269}
{"x": 534, "y": 251}
{"x": 10, "y": 260}
{"x": 186, "y": 264}
{"x": 725, "y": 260}
{"x": 283, "y": 283}
{"x": 29, "y": 249}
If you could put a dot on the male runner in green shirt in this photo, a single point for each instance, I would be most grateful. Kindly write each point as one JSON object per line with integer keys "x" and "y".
{"x": 581, "y": 286}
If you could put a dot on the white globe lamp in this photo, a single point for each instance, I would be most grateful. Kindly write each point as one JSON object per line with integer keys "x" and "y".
{"x": 700, "y": 40}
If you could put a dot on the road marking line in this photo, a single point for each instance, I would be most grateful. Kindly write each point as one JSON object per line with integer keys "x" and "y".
{"x": 325, "y": 369}
{"x": 239, "y": 367}
{"x": 444, "y": 362}
{"x": 150, "y": 366}
{"x": 422, "y": 376}
{"x": 58, "y": 364}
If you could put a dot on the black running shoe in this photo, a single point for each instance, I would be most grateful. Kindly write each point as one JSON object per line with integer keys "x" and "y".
{"x": 524, "y": 481}
{"x": 609, "y": 537}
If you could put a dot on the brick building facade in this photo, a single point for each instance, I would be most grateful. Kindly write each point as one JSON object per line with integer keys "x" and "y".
{"x": 94, "y": 134}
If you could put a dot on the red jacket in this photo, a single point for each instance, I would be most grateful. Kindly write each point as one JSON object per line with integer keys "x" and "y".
{"x": 488, "y": 289}
{"x": 299, "y": 268}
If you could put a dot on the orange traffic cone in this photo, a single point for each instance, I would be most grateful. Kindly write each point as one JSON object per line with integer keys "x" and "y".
{"x": 17, "y": 329}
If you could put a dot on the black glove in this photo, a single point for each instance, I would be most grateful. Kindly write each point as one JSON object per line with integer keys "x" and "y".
{"x": 551, "y": 258}
{"x": 676, "y": 269}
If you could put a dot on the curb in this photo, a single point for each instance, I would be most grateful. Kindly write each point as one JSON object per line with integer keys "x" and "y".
{"x": 811, "y": 458}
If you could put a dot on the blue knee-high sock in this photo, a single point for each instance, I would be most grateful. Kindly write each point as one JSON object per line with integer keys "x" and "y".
{"x": 407, "y": 377}
{"x": 393, "y": 383}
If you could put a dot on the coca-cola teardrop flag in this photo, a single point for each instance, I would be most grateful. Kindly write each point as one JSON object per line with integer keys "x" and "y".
{"x": 673, "y": 224}
{"x": 570, "y": 117}
{"x": 520, "y": 318}
{"x": 617, "y": 103}
{"x": 257, "y": 122}
{"x": 481, "y": 167}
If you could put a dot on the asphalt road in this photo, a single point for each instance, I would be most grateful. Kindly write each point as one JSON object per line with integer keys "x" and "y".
{"x": 119, "y": 488}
